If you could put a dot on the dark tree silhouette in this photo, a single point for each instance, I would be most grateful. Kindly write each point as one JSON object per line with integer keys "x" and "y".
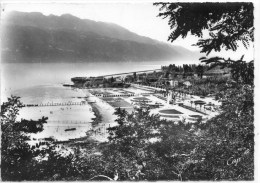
{"x": 144, "y": 147}
{"x": 134, "y": 75}
{"x": 228, "y": 152}
{"x": 200, "y": 70}
{"x": 227, "y": 23}
{"x": 16, "y": 154}
{"x": 21, "y": 161}
{"x": 241, "y": 71}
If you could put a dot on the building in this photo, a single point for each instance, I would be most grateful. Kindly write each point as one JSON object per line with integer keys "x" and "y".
{"x": 174, "y": 83}
{"x": 187, "y": 84}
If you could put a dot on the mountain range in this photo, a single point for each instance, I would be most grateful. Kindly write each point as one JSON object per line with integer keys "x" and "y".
{"x": 34, "y": 37}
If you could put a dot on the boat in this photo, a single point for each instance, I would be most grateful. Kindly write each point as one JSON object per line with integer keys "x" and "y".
{"x": 70, "y": 129}
{"x": 67, "y": 85}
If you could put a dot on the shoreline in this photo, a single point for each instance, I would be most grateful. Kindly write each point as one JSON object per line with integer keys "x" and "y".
{"x": 103, "y": 118}
{"x": 98, "y": 116}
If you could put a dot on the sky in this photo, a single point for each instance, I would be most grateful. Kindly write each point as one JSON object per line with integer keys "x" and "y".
{"x": 139, "y": 17}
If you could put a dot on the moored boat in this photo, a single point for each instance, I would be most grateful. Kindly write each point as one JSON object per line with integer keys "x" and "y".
{"x": 70, "y": 129}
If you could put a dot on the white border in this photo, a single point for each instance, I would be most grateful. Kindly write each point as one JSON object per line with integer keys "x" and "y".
{"x": 256, "y": 55}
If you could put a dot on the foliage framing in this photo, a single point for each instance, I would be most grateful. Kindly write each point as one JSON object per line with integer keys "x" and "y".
{"x": 227, "y": 23}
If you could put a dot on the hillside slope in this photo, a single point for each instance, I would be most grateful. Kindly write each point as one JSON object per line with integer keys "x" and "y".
{"x": 33, "y": 37}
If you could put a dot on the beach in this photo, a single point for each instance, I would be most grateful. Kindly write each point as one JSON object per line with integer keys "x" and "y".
{"x": 104, "y": 118}
{"x": 90, "y": 116}
{"x": 65, "y": 108}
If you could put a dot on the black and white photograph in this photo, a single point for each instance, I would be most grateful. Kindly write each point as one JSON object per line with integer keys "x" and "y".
{"x": 129, "y": 90}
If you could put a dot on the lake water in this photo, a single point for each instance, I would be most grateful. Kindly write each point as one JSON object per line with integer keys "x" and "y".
{"x": 24, "y": 75}
{"x": 42, "y": 83}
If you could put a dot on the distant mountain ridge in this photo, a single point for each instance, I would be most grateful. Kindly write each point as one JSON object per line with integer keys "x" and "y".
{"x": 33, "y": 37}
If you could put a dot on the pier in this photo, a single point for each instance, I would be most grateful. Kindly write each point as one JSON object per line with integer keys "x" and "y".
{"x": 69, "y": 121}
{"x": 55, "y": 104}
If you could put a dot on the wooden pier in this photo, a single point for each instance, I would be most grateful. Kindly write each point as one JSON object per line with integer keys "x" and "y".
{"x": 55, "y": 104}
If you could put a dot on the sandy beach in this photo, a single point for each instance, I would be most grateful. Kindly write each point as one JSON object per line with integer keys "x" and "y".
{"x": 107, "y": 118}
{"x": 60, "y": 117}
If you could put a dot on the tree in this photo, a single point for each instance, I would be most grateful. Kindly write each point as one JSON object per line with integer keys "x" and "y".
{"x": 166, "y": 75}
{"x": 191, "y": 102}
{"x": 134, "y": 76}
{"x": 200, "y": 70}
{"x": 21, "y": 161}
{"x": 227, "y": 144}
{"x": 105, "y": 82}
{"x": 225, "y": 151}
{"x": 241, "y": 71}
{"x": 226, "y": 23}
{"x": 144, "y": 147}
{"x": 16, "y": 154}
{"x": 111, "y": 80}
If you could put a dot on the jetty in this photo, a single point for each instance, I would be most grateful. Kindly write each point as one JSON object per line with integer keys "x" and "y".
{"x": 55, "y": 104}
